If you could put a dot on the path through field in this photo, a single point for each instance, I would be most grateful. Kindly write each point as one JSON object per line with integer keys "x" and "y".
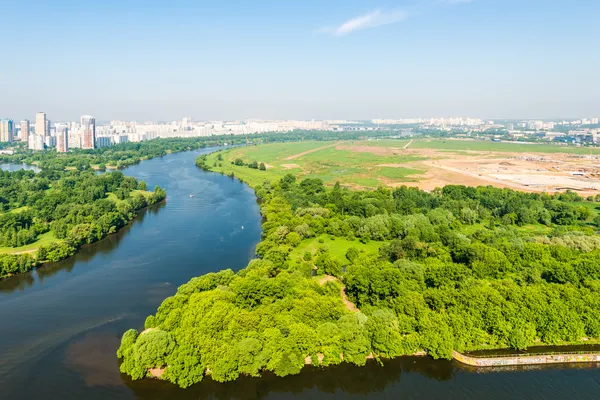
{"x": 408, "y": 144}
{"x": 349, "y": 305}
{"x": 295, "y": 156}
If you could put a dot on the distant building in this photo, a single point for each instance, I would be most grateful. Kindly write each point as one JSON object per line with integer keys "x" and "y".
{"x": 62, "y": 138}
{"x": 47, "y": 131}
{"x": 50, "y": 141}
{"x": 103, "y": 141}
{"x": 24, "y": 130}
{"x": 118, "y": 139}
{"x": 88, "y": 132}
{"x": 36, "y": 142}
{"x": 40, "y": 124}
{"x": 6, "y": 130}
{"x": 74, "y": 140}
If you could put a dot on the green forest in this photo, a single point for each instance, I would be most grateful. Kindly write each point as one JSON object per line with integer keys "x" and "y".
{"x": 459, "y": 268}
{"x": 72, "y": 208}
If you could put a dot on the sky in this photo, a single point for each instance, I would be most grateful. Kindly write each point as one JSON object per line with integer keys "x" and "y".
{"x": 309, "y": 59}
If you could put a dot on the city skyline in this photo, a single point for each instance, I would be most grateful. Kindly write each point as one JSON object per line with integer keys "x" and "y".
{"x": 355, "y": 59}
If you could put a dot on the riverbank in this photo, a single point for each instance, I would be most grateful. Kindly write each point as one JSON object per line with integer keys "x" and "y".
{"x": 527, "y": 359}
{"x": 49, "y": 249}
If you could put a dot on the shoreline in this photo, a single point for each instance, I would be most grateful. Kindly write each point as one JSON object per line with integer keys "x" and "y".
{"x": 527, "y": 359}
{"x": 473, "y": 361}
{"x": 43, "y": 263}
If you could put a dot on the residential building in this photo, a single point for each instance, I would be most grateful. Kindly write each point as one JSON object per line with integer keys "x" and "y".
{"x": 24, "y": 130}
{"x": 103, "y": 141}
{"x": 6, "y": 130}
{"x": 40, "y": 124}
{"x": 50, "y": 141}
{"x": 74, "y": 140}
{"x": 62, "y": 138}
{"x": 36, "y": 142}
{"x": 88, "y": 132}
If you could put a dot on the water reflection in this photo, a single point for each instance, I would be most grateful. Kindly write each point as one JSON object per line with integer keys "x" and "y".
{"x": 344, "y": 379}
{"x": 84, "y": 254}
{"x": 17, "y": 167}
{"x": 93, "y": 358}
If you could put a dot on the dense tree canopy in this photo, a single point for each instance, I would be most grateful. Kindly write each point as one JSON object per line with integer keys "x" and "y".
{"x": 459, "y": 268}
{"x": 76, "y": 207}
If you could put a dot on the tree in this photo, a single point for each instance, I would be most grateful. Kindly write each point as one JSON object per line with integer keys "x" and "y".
{"x": 262, "y": 166}
{"x": 142, "y": 185}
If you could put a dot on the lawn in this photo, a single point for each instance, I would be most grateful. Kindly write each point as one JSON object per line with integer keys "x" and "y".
{"x": 337, "y": 247}
{"x": 323, "y": 160}
{"x": 43, "y": 239}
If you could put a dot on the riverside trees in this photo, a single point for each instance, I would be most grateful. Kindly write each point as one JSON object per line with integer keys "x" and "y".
{"x": 459, "y": 268}
{"x": 74, "y": 207}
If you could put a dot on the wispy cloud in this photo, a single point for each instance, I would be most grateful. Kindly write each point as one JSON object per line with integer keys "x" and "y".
{"x": 380, "y": 17}
{"x": 369, "y": 20}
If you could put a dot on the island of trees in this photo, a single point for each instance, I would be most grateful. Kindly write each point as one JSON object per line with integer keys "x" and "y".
{"x": 344, "y": 276}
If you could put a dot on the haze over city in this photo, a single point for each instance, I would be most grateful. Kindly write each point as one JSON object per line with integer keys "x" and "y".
{"x": 358, "y": 59}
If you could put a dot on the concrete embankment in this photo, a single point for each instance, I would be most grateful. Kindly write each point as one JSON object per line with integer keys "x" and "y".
{"x": 529, "y": 359}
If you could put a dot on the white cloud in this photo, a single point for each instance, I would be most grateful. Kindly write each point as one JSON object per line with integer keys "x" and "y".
{"x": 369, "y": 20}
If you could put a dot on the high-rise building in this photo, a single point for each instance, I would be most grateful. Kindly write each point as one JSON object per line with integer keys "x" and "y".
{"x": 36, "y": 142}
{"x": 62, "y": 138}
{"x": 50, "y": 141}
{"x": 6, "y": 130}
{"x": 47, "y": 132}
{"x": 24, "y": 130}
{"x": 40, "y": 124}
{"x": 88, "y": 132}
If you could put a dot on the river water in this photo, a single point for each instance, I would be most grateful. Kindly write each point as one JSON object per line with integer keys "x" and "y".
{"x": 60, "y": 325}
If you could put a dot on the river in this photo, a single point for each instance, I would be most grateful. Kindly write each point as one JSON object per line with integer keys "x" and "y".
{"x": 60, "y": 325}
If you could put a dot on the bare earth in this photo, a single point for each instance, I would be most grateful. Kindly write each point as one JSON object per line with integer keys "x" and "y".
{"x": 290, "y": 166}
{"x": 533, "y": 172}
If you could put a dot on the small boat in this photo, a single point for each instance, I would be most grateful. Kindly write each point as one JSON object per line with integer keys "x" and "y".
{"x": 242, "y": 226}
{"x": 191, "y": 195}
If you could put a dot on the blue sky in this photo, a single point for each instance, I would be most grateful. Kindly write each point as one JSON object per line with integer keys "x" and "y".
{"x": 327, "y": 59}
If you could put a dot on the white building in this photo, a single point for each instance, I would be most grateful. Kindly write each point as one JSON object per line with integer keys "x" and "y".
{"x": 6, "y": 130}
{"x": 24, "y": 130}
{"x": 118, "y": 139}
{"x": 40, "y": 124}
{"x": 36, "y": 142}
{"x": 50, "y": 141}
{"x": 74, "y": 140}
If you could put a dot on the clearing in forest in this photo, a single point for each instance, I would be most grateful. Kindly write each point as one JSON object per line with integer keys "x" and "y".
{"x": 349, "y": 305}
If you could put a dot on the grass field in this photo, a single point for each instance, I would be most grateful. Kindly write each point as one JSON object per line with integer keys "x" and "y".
{"x": 317, "y": 160}
{"x": 337, "y": 247}
{"x": 426, "y": 163}
{"x": 43, "y": 239}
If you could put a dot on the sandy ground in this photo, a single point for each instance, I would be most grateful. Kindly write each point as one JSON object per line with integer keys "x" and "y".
{"x": 290, "y": 166}
{"x": 521, "y": 171}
